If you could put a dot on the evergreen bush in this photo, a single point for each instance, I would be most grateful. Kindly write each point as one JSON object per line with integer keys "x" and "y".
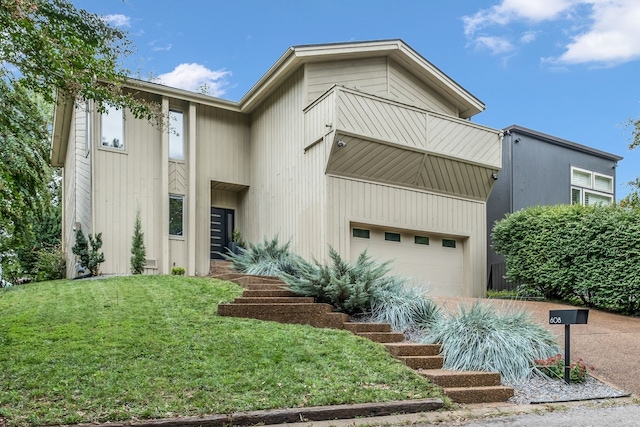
{"x": 138, "y": 250}
{"x": 350, "y": 287}
{"x": 89, "y": 251}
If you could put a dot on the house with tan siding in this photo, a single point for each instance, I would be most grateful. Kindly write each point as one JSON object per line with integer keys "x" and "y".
{"x": 363, "y": 145}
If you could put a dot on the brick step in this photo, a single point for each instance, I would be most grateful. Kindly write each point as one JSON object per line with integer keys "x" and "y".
{"x": 250, "y": 280}
{"x": 264, "y": 286}
{"x": 318, "y": 315}
{"x": 422, "y": 362}
{"x": 413, "y": 349}
{"x": 479, "y": 394}
{"x": 357, "y": 327}
{"x": 383, "y": 337}
{"x": 221, "y": 267}
{"x": 455, "y": 379}
{"x": 268, "y": 293}
{"x": 226, "y": 276}
{"x": 273, "y": 300}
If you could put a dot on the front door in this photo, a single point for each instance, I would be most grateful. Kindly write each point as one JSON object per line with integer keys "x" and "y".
{"x": 222, "y": 224}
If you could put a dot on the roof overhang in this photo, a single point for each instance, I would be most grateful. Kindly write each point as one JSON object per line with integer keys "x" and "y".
{"x": 62, "y": 118}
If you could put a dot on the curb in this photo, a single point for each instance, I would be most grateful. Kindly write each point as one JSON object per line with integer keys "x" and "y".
{"x": 290, "y": 415}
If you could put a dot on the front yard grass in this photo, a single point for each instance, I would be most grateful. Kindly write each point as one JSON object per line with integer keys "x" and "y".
{"x": 140, "y": 347}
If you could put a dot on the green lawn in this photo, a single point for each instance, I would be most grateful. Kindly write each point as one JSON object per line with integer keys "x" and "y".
{"x": 153, "y": 347}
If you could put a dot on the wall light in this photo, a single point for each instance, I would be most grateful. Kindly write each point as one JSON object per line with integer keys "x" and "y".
{"x": 341, "y": 144}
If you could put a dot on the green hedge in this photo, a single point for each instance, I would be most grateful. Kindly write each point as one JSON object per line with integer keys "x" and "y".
{"x": 571, "y": 252}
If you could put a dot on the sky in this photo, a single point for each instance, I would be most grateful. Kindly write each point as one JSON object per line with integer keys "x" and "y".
{"x": 568, "y": 68}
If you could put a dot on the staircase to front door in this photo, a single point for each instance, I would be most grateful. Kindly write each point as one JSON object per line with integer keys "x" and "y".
{"x": 265, "y": 298}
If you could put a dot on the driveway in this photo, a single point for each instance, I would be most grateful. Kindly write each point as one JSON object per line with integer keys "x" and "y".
{"x": 609, "y": 342}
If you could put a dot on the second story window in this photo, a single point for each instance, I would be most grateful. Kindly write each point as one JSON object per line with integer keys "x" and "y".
{"x": 112, "y": 128}
{"x": 590, "y": 188}
{"x": 176, "y": 135}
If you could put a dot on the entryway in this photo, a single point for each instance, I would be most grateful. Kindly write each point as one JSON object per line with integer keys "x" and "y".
{"x": 222, "y": 226}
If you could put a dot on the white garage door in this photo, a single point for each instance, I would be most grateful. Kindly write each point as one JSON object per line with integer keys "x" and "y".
{"x": 433, "y": 260}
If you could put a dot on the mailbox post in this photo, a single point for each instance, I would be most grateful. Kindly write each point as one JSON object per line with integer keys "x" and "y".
{"x": 568, "y": 318}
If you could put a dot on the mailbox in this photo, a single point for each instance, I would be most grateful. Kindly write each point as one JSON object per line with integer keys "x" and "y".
{"x": 568, "y": 317}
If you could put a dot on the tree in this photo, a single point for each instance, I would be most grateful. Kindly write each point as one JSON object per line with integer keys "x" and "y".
{"x": 49, "y": 51}
{"x": 632, "y": 200}
{"x": 89, "y": 251}
{"x": 138, "y": 250}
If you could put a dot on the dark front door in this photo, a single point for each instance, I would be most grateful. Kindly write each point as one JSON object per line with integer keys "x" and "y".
{"x": 221, "y": 231}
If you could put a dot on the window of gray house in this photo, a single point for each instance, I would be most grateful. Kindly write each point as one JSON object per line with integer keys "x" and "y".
{"x": 112, "y": 128}
{"x": 176, "y": 215}
{"x": 590, "y": 188}
{"x": 176, "y": 135}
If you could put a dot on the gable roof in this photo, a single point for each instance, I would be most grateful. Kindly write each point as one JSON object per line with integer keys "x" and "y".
{"x": 562, "y": 142}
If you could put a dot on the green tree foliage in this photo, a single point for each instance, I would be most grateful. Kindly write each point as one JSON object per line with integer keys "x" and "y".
{"x": 138, "y": 250}
{"x": 588, "y": 254}
{"x": 89, "y": 251}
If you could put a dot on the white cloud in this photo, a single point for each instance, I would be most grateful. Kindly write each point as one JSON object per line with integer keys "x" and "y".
{"x": 497, "y": 45}
{"x": 195, "y": 76}
{"x": 159, "y": 48}
{"x": 117, "y": 20}
{"x": 601, "y": 31}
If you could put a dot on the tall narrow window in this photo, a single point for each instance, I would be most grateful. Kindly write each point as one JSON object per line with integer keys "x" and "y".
{"x": 112, "y": 127}
{"x": 176, "y": 215}
{"x": 176, "y": 135}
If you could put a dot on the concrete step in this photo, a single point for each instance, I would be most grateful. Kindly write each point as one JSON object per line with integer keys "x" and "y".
{"x": 273, "y": 300}
{"x": 413, "y": 349}
{"x": 357, "y": 327}
{"x": 479, "y": 394}
{"x": 268, "y": 293}
{"x": 446, "y": 378}
{"x": 422, "y": 362}
{"x": 318, "y": 315}
{"x": 383, "y": 337}
{"x": 247, "y": 280}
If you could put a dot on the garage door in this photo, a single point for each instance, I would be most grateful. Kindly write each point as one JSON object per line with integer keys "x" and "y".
{"x": 434, "y": 260}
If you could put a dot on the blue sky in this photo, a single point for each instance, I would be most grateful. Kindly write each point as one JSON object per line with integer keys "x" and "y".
{"x": 569, "y": 68}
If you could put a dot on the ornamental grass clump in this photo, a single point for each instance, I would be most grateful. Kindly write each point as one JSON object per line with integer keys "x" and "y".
{"x": 482, "y": 338}
{"x": 404, "y": 308}
{"x": 268, "y": 258}
{"x": 348, "y": 287}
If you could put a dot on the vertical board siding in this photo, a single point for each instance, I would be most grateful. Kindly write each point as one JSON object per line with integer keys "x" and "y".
{"x": 405, "y": 87}
{"x": 286, "y": 195}
{"x": 222, "y": 155}
{"x": 365, "y": 202}
{"x": 69, "y": 194}
{"x": 319, "y": 119}
{"x": 367, "y": 75}
{"x": 126, "y": 181}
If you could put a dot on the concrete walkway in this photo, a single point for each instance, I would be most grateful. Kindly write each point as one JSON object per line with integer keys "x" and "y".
{"x": 609, "y": 342}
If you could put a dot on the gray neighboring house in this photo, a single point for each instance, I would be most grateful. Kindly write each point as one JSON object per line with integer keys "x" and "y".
{"x": 540, "y": 169}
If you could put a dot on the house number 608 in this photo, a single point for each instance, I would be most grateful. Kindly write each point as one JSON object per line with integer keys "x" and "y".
{"x": 555, "y": 320}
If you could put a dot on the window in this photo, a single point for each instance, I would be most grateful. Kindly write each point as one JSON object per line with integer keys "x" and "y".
{"x": 448, "y": 243}
{"x": 359, "y": 232}
{"x": 590, "y": 188}
{"x": 113, "y": 128}
{"x": 421, "y": 240}
{"x": 176, "y": 215}
{"x": 176, "y": 135}
{"x": 392, "y": 237}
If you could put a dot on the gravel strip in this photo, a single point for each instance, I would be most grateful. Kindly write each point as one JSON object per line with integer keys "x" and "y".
{"x": 538, "y": 389}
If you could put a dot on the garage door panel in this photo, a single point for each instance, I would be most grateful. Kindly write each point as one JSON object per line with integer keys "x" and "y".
{"x": 440, "y": 268}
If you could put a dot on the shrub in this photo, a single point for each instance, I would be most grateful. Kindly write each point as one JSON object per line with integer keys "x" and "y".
{"x": 553, "y": 367}
{"x": 138, "y": 250}
{"x": 482, "y": 338}
{"x": 178, "y": 271}
{"x": 350, "y": 288}
{"x": 89, "y": 252}
{"x": 51, "y": 264}
{"x": 404, "y": 308}
{"x": 268, "y": 258}
{"x": 574, "y": 253}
